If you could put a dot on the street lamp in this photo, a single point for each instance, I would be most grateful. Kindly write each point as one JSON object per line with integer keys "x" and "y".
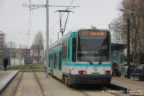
{"x": 132, "y": 14}
{"x": 128, "y": 36}
{"x": 127, "y": 11}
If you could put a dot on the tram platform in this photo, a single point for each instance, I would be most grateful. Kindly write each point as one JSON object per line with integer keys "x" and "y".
{"x": 132, "y": 84}
{"x": 6, "y": 77}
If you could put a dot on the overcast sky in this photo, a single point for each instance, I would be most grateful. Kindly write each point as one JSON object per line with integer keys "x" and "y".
{"x": 14, "y": 18}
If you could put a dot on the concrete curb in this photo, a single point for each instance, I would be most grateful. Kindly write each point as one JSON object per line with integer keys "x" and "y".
{"x": 7, "y": 79}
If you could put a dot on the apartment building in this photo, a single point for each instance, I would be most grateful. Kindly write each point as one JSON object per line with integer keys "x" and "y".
{"x": 2, "y": 43}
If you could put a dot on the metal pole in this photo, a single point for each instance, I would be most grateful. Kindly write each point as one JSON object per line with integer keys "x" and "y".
{"x": 128, "y": 47}
{"x": 47, "y": 36}
{"x": 128, "y": 42}
{"x": 11, "y": 51}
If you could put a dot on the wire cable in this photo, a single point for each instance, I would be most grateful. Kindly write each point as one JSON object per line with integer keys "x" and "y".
{"x": 57, "y": 22}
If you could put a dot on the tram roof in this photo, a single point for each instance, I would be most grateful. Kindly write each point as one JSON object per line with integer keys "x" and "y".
{"x": 94, "y": 30}
{"x": 58, "y": 42}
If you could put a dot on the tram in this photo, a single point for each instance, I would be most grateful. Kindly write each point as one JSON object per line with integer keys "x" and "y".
{"x": 82, "y": 57}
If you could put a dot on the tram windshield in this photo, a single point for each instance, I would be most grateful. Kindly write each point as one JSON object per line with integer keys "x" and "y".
{"x": 93, "y": 48}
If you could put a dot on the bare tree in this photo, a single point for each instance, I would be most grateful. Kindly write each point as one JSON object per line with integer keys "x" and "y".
{"x": 118, "y": 28}
{"x": 38, "y": 45}
{"x": 137, "y": 6}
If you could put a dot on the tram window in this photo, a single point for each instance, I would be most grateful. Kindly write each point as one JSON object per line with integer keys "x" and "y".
{"x": 52, "y": 60}
{"x": 64, "y": 49}
{"x": 74, "y": 49}
{"x": 60, "y": 60}
{"x": 68, "y": 48}
{"x": 55, "y": 59}
{"x": 49, "y": 61}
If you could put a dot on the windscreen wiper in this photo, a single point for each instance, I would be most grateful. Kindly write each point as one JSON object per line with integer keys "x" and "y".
{"x": 100, "y": 60}
{"x": 90, "y": 62}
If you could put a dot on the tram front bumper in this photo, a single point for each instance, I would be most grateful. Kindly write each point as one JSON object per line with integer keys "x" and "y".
{"x": 90, "y": 79}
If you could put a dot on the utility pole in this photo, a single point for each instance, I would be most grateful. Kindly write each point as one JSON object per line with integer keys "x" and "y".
{"x": 20, "y": 54}
{"x": 47, "y": 36}
{"x": 11, "y": 51}
{"x": 128, "y": 47}
{"x": 128, "y": 42}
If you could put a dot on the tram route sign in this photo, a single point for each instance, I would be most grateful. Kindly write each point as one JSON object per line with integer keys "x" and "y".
{"x": 92, "y": 33}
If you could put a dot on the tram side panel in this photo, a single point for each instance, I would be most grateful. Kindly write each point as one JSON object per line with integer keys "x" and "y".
{"x": 55, "y": 64}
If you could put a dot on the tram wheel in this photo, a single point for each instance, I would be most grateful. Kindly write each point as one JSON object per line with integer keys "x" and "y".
{"x": 66, "y": 81}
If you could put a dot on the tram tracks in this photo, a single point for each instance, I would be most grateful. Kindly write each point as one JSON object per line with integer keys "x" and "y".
{"x": 114, "y": 92}
{"x": 105, "y": 91}
{"x": 40, "y": 85}
{"x": 109, "y": 94}
{"x": 15, "y": 89}
{"x": 84, "y": 94}
{"x": 82, "y": 90}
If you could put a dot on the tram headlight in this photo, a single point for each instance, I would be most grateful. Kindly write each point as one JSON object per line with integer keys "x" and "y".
{"x": 82, "y": 72}
{"x": 107, "y": 72}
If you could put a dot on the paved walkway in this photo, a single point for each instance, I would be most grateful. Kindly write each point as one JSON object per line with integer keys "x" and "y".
{"x": 133, "y": 85}
{"x": 6, "y": 77}
{"x": 128, "y": 83}
{"x": 2, "y": 72}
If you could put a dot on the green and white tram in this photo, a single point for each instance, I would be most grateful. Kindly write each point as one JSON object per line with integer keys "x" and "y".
{"x": 82, "y": 57}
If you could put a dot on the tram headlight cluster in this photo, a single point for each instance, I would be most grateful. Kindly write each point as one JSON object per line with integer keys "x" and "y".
{"x": 107, "y": 72}
{"x": 82, "y": 72}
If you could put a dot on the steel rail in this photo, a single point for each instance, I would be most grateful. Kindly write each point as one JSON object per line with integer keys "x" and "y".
{"x": 84, "y": 94}
{"x": 40, "y": 85}
{"x": 113, "y": 93}
{"x": 106, "y": 91}
{"x": 15, "y": 89}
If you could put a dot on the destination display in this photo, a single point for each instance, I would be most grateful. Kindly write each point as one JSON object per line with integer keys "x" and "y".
{"x": 92, "y": 33}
